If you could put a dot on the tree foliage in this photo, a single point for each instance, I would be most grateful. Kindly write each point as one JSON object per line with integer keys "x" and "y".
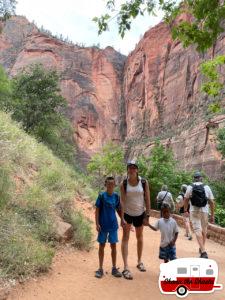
{"x": 202, "y": 28}
{"x": 7, "y": 8}
{"x": 33, "y": 99}
{"x": 36, "y": 101}
{"x": 109, "y": 161}
{"x": 221, "y": 141}
{"x": 209, "y": 69}
{"x": 5, "y": 89}
{"x": 161, "y": 168}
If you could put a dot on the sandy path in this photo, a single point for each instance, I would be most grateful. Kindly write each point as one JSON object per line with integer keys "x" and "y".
{"x": 72, "y": 273}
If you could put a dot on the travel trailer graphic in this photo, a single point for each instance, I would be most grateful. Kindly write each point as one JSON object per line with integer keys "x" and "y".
{"x": 189, "y": 275}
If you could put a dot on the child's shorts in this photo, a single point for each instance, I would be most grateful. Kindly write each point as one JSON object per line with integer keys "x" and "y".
{"x": 110, "y": 236}
{"x": 168, "y": 253}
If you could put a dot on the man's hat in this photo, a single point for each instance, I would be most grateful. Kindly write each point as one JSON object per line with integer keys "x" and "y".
{"x": 132, "y": 163}
{"x": 197, "y": 174}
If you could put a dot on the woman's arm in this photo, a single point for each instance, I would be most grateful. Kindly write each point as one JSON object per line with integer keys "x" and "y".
{"x": 122, "y": 202}
{"x": 147, "y": 198}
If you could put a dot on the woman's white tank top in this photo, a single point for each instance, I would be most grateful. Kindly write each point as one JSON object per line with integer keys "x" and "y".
{"x": 134, "y": 203}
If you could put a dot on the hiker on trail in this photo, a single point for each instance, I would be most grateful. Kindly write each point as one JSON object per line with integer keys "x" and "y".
{"x": 164, "y": 196}
{"x": 135, "y": 210}
{"x": 180, "y": 208}
{"x": 200, "y": 198}
{"x": 107, "y": 204}
{"x": 169, "y": 233}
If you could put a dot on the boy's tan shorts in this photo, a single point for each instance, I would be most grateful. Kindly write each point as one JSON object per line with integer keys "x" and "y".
{"x": 199, "y": 221}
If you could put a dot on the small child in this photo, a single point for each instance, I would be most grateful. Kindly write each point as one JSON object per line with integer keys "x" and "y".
{"x": 169, "y": 233}
{"x": 106, "y": 224}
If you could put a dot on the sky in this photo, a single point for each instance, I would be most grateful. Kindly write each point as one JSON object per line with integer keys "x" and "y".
{"x": 73, "y": 19}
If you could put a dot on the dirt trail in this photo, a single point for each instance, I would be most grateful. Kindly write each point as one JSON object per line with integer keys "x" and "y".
{"x": 72, "y": 273}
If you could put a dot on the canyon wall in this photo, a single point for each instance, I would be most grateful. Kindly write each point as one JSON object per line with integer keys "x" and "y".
{"x": 154, "y": 92}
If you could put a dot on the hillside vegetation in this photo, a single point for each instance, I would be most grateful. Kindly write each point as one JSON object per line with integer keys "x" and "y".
{"x": 36, "y": 188}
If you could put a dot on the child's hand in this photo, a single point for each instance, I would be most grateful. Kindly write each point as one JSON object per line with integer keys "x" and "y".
{"x": 172, "y": 243}
{"x": 123, "y": 223}
{"x": 98, "y": 227}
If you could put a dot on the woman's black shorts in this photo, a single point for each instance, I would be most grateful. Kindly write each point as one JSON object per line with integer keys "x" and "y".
{"x": 136, "y": 221}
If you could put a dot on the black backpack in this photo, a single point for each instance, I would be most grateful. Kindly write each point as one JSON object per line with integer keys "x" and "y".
{"x": 143, "y": 182}
{"x": 198, "y": 197}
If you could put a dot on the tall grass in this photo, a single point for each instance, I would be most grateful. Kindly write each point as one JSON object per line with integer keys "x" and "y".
{"x": 33, "y": 184}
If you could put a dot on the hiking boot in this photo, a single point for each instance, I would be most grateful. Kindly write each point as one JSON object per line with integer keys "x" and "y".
{"x": 116, "y": 273}
{"x": 204, "y": 255}
{"x": 99, "y": 273}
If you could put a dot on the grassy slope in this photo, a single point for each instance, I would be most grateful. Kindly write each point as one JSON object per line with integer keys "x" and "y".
{"x": 35, "y": 187}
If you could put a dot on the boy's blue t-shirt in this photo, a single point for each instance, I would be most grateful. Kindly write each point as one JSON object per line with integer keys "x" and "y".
{"x": 108, "y": 204}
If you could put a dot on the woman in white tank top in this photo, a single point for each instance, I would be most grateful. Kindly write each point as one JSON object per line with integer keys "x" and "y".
{"x": 135, "y": 209}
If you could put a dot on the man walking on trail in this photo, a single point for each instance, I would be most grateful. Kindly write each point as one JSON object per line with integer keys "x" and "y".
{"x": 200, "y": 197}
{"x": 164, "y": 196}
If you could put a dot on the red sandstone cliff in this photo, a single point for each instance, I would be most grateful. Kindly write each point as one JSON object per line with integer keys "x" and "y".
{"x": 157, "y": 93}
{"x": 91, "y": 79}
{"x": 162, "y": 95}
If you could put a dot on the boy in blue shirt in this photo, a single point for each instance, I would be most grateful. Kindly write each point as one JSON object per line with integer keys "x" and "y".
{"x": 106, "y": 224}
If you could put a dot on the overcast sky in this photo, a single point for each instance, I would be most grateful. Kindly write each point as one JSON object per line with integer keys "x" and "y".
{"x": 73, "y": 19}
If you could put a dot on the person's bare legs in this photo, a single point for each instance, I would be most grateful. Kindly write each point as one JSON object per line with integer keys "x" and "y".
{"x": 139, "y": 236}
{"x": 113, "y": 254}
{"x": 200, "y": 240}
{"x": 187, "y": 226}
{"x": 124, "y": 244}
{"x": 101, "y": 255}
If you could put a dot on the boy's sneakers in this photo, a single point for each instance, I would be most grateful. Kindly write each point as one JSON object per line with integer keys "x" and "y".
{"x": 190, "y": 237}
{"x": 99, "y": 273}
{"x": 116, "y": 273}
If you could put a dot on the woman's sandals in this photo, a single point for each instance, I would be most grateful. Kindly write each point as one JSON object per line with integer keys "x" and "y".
{"x": 127, "y": 274}
{"x": 141, "y": 267}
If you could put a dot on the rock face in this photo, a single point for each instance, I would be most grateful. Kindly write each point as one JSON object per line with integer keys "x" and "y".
{"x": 155, "y": 92}
{"x": 91, "y": 79}
{"x": 162, "y": 95}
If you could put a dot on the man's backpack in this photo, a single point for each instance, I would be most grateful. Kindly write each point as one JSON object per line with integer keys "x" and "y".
{"x": 198, "y": 197}
{"x": 143, "y": 182}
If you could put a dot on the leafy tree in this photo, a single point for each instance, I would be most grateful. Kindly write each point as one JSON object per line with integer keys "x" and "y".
{"x": 161, "y": 168}
{"x": 110, "y": 161}
{"x": 221, "y": 140}
{"x": 5, "y": 89}
{"x": 36, "y": 101}
{"x": 33, "y": 98}
{"x": 7, "y": 8}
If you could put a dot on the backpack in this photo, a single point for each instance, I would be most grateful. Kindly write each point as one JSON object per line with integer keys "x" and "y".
{"x": 198, "y": 197}
{"x": 143, "y": 182}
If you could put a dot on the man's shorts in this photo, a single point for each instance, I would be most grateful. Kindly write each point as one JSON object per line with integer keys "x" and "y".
{"x": 136, "y": 221}
{"x": 168, "y": 253}
{"x": 110, "y": 236}
{"x": 199, "y": 221}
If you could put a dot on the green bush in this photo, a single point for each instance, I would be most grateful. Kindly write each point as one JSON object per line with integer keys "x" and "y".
{"x": 6, "y": 186}
{"x": 220, "y": 215}
{"x": 32, "y": 184}
{"x": 161, "y": 168}
{"x": 20, "y": 253}
{"x": 82, "y": 233}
